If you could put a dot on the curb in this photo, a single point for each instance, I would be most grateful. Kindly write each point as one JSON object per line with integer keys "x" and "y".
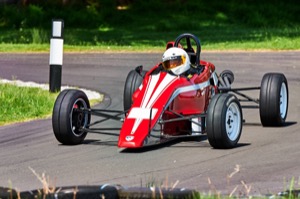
{"x": 116, "y": 192}
{"x": 92, "y": 95}
{"x": 102, "y": 191}
{"x": 155, "y": 192}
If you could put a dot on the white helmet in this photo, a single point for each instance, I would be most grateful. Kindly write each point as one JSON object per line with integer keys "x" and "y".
{"x": 176, "y": 60}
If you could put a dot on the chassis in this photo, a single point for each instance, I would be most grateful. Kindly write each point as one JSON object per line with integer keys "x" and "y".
{"x": 203, "y": 104}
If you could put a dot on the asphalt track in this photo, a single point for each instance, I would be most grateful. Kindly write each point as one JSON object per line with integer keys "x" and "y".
{"x": 268, "y": 158}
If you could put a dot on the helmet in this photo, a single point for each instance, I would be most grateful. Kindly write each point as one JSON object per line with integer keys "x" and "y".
{"x": 176, "y": 60}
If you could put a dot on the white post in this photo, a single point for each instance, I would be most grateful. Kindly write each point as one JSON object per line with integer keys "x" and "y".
{"x": 56, "y": 55}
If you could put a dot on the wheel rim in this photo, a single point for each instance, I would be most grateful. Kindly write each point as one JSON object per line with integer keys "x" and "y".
{"x": 78, "y": 119}
{"x": 233, "y": 121}
{"x": 283, "y": 100}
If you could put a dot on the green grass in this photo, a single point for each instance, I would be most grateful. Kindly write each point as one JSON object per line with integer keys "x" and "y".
{"x": 24, "y": 103}
{"x": 19, "y": 104}
{"x": 212, "y": 38}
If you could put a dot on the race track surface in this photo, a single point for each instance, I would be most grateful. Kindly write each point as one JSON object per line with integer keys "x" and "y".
{"x": 267, "y": 158}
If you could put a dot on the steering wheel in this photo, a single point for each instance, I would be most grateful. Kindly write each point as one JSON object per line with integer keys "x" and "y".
{"x": 188, "y": 38}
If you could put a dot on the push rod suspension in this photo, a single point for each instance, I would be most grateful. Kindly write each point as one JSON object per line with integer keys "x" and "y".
{"x": 250, "y": 99}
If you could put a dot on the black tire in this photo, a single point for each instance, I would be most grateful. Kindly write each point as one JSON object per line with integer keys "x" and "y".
{"x": 274, "y": 97}
{"x": 66, "y": 121}
{"x": 224, "y": 121}
{"x": 133, "y": 81}
{"x": 229, "y": 74}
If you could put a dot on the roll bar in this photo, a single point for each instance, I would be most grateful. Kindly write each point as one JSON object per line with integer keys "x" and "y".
{"x": 188, "y": 37}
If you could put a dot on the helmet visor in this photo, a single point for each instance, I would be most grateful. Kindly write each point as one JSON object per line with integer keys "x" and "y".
{"x": 173, "y": 62}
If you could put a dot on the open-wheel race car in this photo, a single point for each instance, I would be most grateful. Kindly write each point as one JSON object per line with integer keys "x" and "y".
{"x": 182, "y": 96}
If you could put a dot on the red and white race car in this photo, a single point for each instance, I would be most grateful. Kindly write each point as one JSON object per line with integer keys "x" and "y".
{"x": 182, "y": 96}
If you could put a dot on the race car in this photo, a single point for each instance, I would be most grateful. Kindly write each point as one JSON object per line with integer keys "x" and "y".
{"x": 182, "y": 96}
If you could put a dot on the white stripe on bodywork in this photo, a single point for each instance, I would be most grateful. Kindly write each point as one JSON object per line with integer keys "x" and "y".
{"x": 187, "y": 89}
{"x": 166, "y": 82}
{"x": 215, "y": 78}
{"x": 150, "y": 98}
{"x": 142, "y": 113}
{"x": 149, "y": 90}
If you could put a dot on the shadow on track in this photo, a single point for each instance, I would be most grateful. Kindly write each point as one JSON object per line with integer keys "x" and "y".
{"x": 187, "y": 142}
{"x": 286, "y": 124}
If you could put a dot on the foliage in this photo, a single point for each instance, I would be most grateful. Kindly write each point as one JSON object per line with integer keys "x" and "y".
{"x": 152, "y": 23}
{"x": 158, "y": 13}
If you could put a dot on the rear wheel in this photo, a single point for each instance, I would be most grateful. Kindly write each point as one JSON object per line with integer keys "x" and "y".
{"x": 133, "y": 81}
{"x": 68, "y": 118}
{"x": 224, "y": 121}
{"x": 274, "y": 96}
{"x": 227, "y": 74}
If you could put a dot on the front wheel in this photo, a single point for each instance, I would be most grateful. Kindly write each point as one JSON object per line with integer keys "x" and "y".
{"x": 69, "y": 118}
{"x": 224, "y": 121}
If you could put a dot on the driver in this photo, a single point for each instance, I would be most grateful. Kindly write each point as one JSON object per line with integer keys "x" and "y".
{"x": 176, "y": 60}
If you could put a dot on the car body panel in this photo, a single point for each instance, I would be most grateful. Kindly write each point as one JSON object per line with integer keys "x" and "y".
{"x": 160, "y": 97}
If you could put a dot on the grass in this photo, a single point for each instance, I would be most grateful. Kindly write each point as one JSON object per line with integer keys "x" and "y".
{"x": 212, "y": 38}
{"x": 24, "y": 103}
